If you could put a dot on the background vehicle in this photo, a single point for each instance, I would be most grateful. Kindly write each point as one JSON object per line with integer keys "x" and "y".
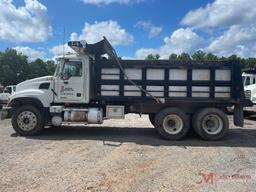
{"x": 7, "y": 92}
{"x": 249, "y": 82}
{"x": 89, "y": 88}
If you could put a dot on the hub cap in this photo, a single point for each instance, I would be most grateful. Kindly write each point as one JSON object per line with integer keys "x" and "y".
{"x": 172, "y": 124}
{"x": 27, "y": 120}
{"x": 212, "y": 124}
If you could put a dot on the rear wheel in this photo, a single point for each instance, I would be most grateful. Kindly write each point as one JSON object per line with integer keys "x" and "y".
{"x": 211, "y": 123}
{"x": 27, "y": 120}
{"x": 172, "y": 123}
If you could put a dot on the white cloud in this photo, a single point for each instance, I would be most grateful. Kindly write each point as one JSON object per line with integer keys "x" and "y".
{"x": 32, "y": 54}
{"x": 73, "y": 37}
{"x": 222, "y": 13}
{"x": 93, "y": 33}
{"x": 238, "y": 40}
{"x": 28, "y": 23}
{"x": 147, "y": 25}
{"x": 235, "y": 17}
{"x": 58, "y": 50}
{"x": 181, "y": 40}
{"x": 106, "y": 2}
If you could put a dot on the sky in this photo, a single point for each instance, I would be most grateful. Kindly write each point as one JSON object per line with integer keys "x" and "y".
{"x": 136, "y": 28}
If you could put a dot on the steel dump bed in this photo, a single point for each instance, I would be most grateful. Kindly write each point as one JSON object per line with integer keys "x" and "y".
{"x": 216, "y": 82}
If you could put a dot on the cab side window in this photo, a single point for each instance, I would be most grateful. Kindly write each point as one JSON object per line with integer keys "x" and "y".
{"x": 73, "y": 68}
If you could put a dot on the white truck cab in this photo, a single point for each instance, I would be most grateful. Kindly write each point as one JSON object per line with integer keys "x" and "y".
{"x": 67, "y": 85}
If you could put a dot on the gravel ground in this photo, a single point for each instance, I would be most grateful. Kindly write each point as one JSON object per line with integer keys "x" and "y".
{"x": 126, "y": 155}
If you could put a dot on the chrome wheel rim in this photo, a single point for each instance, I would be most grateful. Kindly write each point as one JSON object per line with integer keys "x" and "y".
{"x": 27, "y": 120}
{"x": 172, "y": 124}
{"x": 212, "y": 124}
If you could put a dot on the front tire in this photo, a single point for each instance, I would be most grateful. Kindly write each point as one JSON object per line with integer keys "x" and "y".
{"x": 27, "y": 120}
{"x": 210, "y": 124}
{"x": 172, "y": 123}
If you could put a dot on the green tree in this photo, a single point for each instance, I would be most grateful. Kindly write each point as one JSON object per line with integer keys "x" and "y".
{"x": 173, "y": 57}
{"x": 248, "y": 63}
{"x": 211, "y": 57}
{"x": 51, "y": 66}
{"x": 199, "y": 56}
{"x": 37, "y": 68}
{"x": 13, "y": 67}
{"x": 153, "y": 57}
{"x": 184, "y": 57}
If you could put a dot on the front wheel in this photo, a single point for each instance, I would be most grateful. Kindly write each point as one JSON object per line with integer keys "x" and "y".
{"x": 27, "y": 120}
{"x": 172, "y": 123}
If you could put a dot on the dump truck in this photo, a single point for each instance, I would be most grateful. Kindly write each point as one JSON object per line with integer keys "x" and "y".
{"x": 94, "y": 85}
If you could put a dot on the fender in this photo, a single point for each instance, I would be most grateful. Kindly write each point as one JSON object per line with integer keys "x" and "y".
{"x": 25, "y": 100}
{"x": 45, "y": 97}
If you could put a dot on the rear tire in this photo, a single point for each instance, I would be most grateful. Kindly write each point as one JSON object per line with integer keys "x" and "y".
{"x": 172, "y": 123}
{"x": 210, "y": 124}
{"x": 27, "y": 120}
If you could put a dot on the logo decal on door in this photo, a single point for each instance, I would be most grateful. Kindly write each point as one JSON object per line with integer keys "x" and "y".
{"x": 66, "y": 90}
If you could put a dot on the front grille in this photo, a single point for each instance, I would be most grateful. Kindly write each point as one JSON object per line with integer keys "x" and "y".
{"x": 248, "y": 94}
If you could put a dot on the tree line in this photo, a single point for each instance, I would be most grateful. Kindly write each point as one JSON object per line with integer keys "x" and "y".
{"x": 203, "y": 56}
{"x": 15, "y": 67}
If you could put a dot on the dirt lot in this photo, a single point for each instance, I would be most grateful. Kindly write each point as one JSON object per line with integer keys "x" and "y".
{"x": 126, "y": 156}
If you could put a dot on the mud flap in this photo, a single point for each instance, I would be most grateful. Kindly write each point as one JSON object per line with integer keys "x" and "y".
{"x": 238, "y": 116}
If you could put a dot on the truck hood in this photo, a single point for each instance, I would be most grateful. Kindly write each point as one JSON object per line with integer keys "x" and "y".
{"x": 33, "y": 83}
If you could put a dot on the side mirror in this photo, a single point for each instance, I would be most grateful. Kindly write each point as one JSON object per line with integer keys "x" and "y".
{"x": 65, "y": 75}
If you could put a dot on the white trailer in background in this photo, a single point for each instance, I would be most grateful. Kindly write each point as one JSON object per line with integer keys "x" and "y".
{"x": 5, "y": 95}
{"x": 249, "y": 82}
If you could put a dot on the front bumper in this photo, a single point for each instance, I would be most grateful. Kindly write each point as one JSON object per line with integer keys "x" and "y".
{"x": 5, "y": 113}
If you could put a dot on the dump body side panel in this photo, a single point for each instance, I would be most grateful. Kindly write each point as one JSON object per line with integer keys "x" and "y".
{"x": 190, "y": 81}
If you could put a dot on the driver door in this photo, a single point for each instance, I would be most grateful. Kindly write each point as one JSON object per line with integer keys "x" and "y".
{"x": 70, "y": 84}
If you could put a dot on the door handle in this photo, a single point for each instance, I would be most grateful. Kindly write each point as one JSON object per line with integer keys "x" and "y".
{"x": 65, "y": 82}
